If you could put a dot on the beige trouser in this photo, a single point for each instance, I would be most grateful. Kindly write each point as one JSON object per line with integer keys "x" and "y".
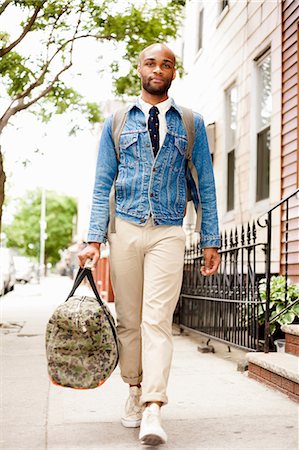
{"x": 146, "y": 272}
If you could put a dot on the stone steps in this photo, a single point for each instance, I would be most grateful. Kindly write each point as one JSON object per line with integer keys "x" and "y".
{"x": 279, "y": 370}
{"x": 292, "y": 338}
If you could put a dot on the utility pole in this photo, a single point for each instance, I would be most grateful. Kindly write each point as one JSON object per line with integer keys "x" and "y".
{"x": 43, "y": 236}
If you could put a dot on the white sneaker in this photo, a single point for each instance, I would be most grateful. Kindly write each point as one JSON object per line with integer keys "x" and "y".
{"x": 133, "y": 410}
{"x": 151, "y": 431}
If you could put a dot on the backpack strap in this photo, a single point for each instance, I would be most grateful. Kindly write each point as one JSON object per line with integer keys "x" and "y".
{"x": 118, "y": 122}
{"x": 194, "y": 175}
{"x": 188, "y": 121}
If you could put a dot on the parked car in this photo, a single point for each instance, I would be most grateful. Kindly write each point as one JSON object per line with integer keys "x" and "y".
{"x": 24, "y": 269}
{"x": 7, "y": 271}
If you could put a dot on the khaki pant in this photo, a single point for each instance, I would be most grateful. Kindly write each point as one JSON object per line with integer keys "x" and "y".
{"x": 146, "y": 272}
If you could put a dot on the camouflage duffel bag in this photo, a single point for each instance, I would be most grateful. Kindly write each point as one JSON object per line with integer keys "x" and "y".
{"x": 81, "y": 340}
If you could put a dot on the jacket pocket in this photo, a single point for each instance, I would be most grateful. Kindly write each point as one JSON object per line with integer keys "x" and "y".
{"x": 178, "y": 160}
{"x": 128, "y": 148}
{"x": 181, "y": 144}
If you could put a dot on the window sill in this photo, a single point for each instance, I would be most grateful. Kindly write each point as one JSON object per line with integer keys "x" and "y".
{"x": 222, "y": 15}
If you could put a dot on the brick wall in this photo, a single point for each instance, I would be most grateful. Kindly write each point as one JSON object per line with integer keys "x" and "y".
{"x": 275, "y": 381}
{"x": 292, "y": 344}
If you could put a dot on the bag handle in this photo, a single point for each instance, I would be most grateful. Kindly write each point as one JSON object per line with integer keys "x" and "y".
{"x": 82, "y": 273}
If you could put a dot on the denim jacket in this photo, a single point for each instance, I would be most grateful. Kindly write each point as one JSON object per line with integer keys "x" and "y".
{"x": 147, "y": 185}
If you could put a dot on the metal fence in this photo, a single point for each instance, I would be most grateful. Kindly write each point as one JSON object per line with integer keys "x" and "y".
{"x": 283, "y": 205}
{"x": 227, "y": 305}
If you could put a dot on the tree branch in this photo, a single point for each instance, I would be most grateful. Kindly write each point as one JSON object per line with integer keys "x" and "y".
{"x": 4, "y": 6}
{"x": 76, "y": 29}
{"x": 27, "y": 28}
{"x": 63, "y": 10}
{"x": 21, "y": 101}
{"x": 48, "y": 88}
{"x": 39, "y": 80}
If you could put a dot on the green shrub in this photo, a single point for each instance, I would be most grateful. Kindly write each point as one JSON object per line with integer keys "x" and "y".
{"x": 277, "y": 301}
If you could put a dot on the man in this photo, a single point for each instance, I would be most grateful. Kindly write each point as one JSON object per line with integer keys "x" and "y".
{"x": 147, "y": 249}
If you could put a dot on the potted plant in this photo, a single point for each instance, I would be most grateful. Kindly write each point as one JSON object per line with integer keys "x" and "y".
{"x": 278, "y": 303}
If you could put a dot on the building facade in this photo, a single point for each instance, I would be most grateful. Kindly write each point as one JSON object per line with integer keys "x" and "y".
{"x": 289, "y": 134}
{"x": 239, "y": 77}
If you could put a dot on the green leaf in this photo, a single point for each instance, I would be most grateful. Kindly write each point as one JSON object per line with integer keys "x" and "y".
{"x": 295, "y": 309}
{"x": 135, "y": 26}
{"x": 286, "y": 318}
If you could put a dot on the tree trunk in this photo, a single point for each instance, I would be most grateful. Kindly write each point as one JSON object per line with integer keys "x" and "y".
{"x": 2, "y": 183}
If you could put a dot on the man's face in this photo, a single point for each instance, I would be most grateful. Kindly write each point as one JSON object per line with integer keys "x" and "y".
{"x": 157, "y": 70}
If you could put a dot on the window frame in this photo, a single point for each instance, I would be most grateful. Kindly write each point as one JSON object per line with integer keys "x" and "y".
{"x": 200, "y": 34}
{"x": 260, "y": 130}
{"x": 230, "y": 151}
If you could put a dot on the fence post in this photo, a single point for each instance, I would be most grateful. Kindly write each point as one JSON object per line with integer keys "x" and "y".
{"x": 268, "y": 280}
{"x": 286, "y": 254}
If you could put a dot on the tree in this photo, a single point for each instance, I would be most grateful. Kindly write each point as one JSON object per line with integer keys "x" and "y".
{"x": 35, "y": 82}
{"x": 24, "y": 232}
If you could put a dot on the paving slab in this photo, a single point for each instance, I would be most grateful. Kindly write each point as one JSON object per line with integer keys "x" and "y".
{"x": 211, "y": 406}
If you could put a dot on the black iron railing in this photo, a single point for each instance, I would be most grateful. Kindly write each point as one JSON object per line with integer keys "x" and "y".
{"x": 267, "y": 219}
{"x": 227, "y": 306}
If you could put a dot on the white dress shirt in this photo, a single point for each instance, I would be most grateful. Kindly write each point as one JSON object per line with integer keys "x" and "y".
{"x": 163, "y": 107}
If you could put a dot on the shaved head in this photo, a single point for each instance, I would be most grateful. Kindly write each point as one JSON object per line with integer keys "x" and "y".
{"x": 156, "y": 68}
{"x": 157, "y": 48}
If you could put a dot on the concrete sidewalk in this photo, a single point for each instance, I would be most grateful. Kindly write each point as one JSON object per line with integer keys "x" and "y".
{"x": 211, "y": 405}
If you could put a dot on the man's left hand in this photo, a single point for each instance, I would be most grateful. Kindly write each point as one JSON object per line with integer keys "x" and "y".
{"x": 211, "y": 261}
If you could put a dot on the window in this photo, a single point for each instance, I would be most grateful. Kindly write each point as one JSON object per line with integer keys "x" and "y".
{"x": 231, "y": 127}
{"x": 264, "y": 111}
{"x": 200, "y": 30}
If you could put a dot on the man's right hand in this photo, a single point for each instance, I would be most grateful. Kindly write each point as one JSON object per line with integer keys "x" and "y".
{"x": 92, "y": 251}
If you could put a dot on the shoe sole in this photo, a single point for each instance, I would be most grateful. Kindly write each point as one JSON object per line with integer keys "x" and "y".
{"x": 152, "y": 439}
{"x": 130, "y": 423}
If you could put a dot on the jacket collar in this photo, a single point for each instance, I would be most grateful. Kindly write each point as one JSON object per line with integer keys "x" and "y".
{"x": 136, "y": 104}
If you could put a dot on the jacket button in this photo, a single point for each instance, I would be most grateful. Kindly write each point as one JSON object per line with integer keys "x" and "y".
{"x": 151, "y": 195}
{"x": 142, "y": 220}
{"x": 154, "y": 169}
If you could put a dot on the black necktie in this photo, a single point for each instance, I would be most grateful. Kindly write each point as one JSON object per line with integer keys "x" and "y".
{"x": 153, "y": 128}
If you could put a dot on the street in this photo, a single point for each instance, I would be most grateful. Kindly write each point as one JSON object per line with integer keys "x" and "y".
{"x": 211, "y": 405}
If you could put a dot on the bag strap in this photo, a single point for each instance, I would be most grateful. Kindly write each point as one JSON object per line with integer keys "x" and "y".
{"x": 118, "y": 121}
{"x": 81, "y": 274}
{"x": 112, "y": 325}
{"x": 188, "y": 121}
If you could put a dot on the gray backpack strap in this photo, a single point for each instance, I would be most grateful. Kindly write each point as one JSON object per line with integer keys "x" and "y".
{"x": 199, "y": 212}
{"x": 188, "y": 120}
{"x": 118, "y": 122}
